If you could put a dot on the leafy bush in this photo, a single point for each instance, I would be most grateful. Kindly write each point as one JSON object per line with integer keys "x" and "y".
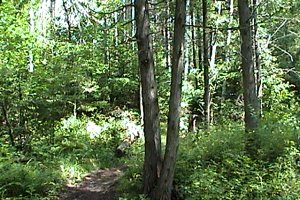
{"x": 26, "y": 179}
{"x": 214, "y": 166}
{"x": 72, "y": 153}
{"x": 214, "y": 144}
{"x": 275, "y": 133}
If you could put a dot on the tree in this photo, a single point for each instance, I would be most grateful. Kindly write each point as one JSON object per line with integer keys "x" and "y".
{"x": 256, "y": 56}
{"x": 206, "y": 65}
{"x": 152, "y": 163}
{"x": 165, "y": 182}
{"x": 249, "y": 81}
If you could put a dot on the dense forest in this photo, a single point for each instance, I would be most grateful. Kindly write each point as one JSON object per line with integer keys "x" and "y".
{"x": 144, "y": 99}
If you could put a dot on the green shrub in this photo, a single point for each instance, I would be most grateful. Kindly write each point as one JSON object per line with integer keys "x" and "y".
{"x": 284, "y": 178}
{"x": 67, "y": 158}
{"x": 242, "y": 178}
{"x": 214, "y": 144}
{"x": 214, "y": 166}
{"x": 275, "y": 133}
{"x": 25, "y": 180}
{"x": 130, "y": 184}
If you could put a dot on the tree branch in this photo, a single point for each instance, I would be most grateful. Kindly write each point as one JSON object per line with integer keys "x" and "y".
{"x": 212, "y": 28}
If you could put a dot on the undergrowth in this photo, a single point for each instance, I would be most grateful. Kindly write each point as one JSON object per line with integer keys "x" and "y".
{"x": 214, "y": 164}
{"x": 211, "y": 164}
{"x": 64, "y": 158}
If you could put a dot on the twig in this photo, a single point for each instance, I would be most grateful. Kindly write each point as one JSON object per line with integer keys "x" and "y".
{"x": 284, "y": 51}
{"x": 282, "y": 24}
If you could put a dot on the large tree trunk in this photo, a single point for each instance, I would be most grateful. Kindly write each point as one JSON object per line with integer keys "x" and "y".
{"x": 152, "y": 162}
{"x": 165, "y": 183}
{"x": 249, "y": 82}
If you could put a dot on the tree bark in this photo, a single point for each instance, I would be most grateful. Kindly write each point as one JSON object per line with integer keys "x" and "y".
{"x": 152, "y": 162}
{"x": 165, "y": 183}
{"x": 249, "y": 82}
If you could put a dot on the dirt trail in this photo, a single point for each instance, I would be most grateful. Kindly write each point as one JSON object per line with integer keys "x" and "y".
{"x": 97, "y": 185}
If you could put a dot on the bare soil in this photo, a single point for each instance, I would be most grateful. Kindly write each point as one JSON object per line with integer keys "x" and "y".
{"x": 97, "y": 185}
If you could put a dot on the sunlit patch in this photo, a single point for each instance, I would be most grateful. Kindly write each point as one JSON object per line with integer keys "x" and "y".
{"x": 71, "y": 172}
{"x": 95, "y": 130}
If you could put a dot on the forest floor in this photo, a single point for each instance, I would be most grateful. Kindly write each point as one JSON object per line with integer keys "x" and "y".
{"x": 97, "y": 185}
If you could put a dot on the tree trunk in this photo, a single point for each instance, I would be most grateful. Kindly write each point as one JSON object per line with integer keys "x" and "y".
{"x": 229, "y": 33}
{"x": 249, "y": 82}
{"x": 187, "y": 46}
{"x": 165, "y": 183}
{"x": 68, "y": 20}
{"x": 152, "y": 163}
{"x": 227, "y": 54}
{"x": 199, "y": 44}
{"x": 257, "y": 58}
{"x": 213, "y": 42}
{"x": 167, "y": 34}
{"x": 206, "y": 65}
{"x": 194, "y": 40}
{"x": 31, "y": 30}
{"x": 52, "y": 9}
{"x": 7, "y": 123}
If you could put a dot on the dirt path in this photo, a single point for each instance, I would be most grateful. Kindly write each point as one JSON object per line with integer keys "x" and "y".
{"x": 97, "y": 185}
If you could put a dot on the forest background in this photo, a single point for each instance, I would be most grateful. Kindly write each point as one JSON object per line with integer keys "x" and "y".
{"x": 72, "y": 81}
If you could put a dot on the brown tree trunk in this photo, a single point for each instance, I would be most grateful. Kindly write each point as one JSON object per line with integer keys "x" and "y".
{"x": 152, "y": 162}
{"x": 249, "y": 82}
{"x": 165, "y": 183}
